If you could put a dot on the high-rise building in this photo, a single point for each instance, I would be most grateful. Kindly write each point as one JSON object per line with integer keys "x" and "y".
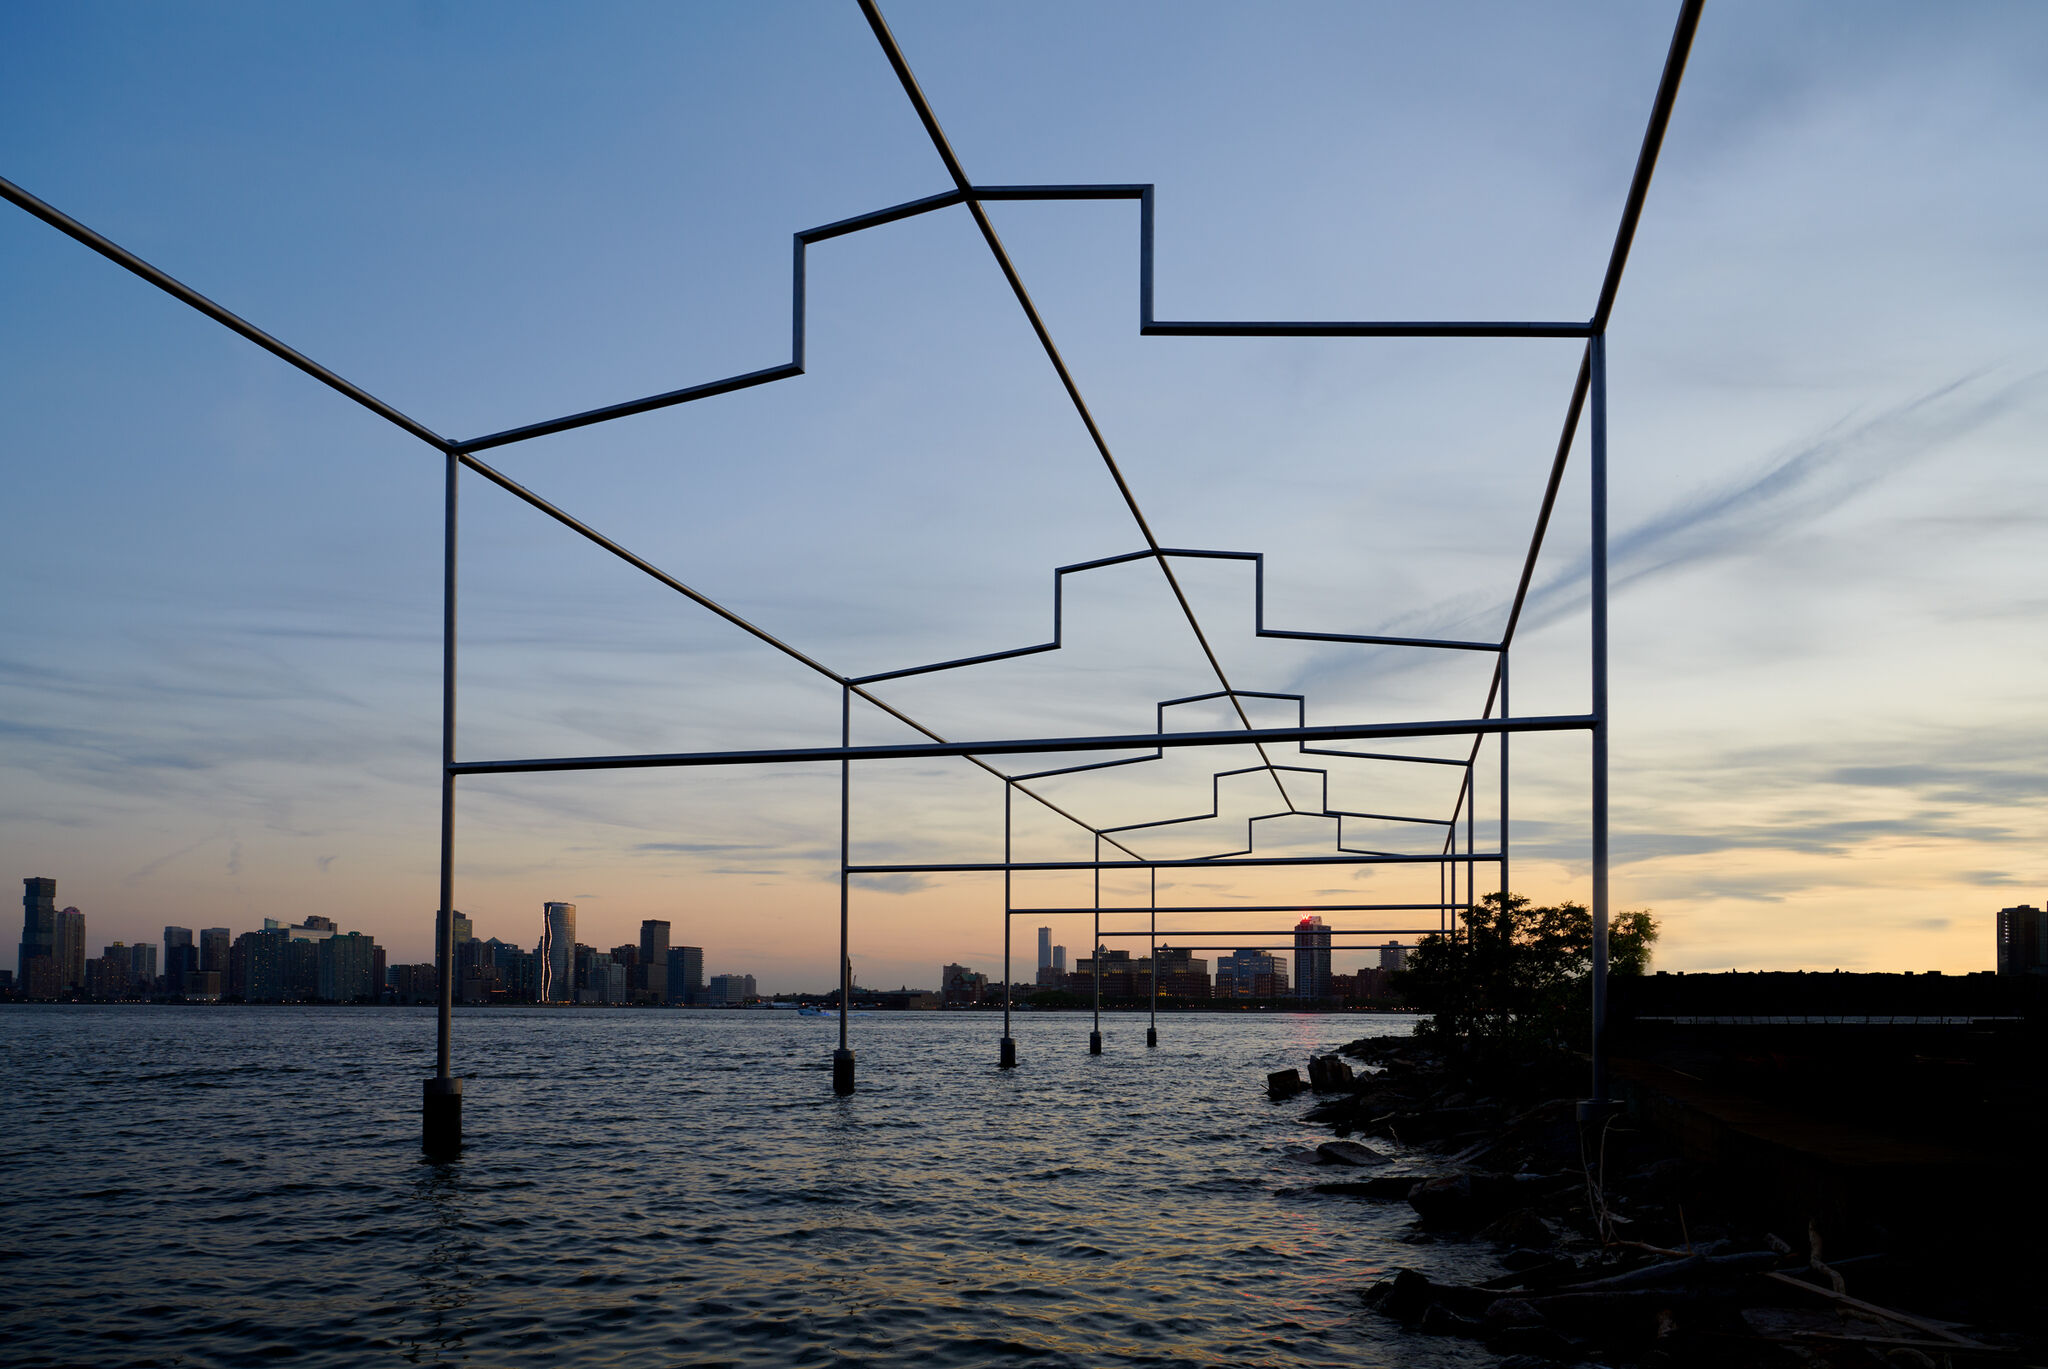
{"x": 962, "y": 986}
{"x": 464, "y": 930}
{"x": 557, "y": 954}
{"x": 1393, "y": 956}
{"x": 320, "y": 924}
{"x": 107, "y": 977}
{"x": 1045, "y": 948}
{"x": 344, "y": 968}
{"x": 2023, "y": 940}
{"x": 70, "y": 949}
{"x": 38, "y": 939}
{"x": 1182, "y": 974}
{"x": 1311, "y": 959}
{"x": 731, "y": 989}
{"x": 686, "y": 974}
{"x": 1251, "y": 974}
{"x": 651, "y": 973}
{"x": 141, "y": 967}
{"x": 1059, "y": 959}
{"x": 180, "y": 955}
{"x": 213, "y": 949}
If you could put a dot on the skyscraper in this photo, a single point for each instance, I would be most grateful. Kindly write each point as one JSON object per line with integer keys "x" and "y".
{"x": 1393, "y": 956}
{"x": 1059, "y": 959}
{"x": 1251, "y": 974}
{"x": 70, "y": 949}
{"x": 651, "y": 971}
{"x": 1311, "y": 958}
{"x": 1045, "y": 948}
{"x": 557, "y": 953}
{"x": 142, "y": 967}
{"x": 38, "y": 939}
{"x": 2022, "y": 940}
{"x": 213, "y": 950}
{"x": 180, "y": 955}
{"x": 686, "y": 974}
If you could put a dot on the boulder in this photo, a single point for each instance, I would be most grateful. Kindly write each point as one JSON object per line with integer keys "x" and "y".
{"x": 1328, "y": 1073}
{"x": 1350, "y": 1153}
{"x": 1405, "y": 1297}
{"x": 1283, "y": 1083}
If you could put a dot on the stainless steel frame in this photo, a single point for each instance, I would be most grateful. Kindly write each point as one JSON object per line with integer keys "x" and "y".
{"x": 1589, "y": 390}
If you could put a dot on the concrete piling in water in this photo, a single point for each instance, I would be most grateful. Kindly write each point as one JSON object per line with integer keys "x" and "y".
{"x": 1008, "y": 1058}
{"x": 441, "y": 1117}
{"x": 1151, "y": 1036}
{"x": 1095, "y": 1043}
{"x": 842, "y": 1071}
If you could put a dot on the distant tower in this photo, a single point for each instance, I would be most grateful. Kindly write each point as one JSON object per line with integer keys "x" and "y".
{"x": 557, "y": 954}
{"x": 651, "y": 974}
{"x": 71, "y": 949}
{"x": 1393, "y": 956}
{"x": 1045, "y": 948}
{"x": 2022, "y": 940}
{"x": 180, "y": 956}
{"x": 686, "y": 975}
{"x": 1059, "y": 959}
{"x": 1311, "y": 958}
{"x": 38, "y": 937}
{"x": 213, "y": 950}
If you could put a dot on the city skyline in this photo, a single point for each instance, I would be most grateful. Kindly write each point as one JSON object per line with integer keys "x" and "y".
{"x": 239, "y": 724}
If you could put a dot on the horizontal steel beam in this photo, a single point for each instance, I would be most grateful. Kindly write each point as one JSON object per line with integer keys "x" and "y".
{"x": 1162, "y": 328}
{"x": 1243, "y": 908}
{"x": 1284, "y": 931}
{"x": 963, "y": 867}
{"x": 1573, "y": 722}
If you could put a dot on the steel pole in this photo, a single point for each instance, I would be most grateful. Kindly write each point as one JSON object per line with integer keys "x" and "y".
{"x": 842, "y": 1059}
{"x": 1095, "y": 954}
{"x": 1597, "y": 352}
{"x": 1504, "y": 884}
{"x": 1471, "y": 839}
{"x": 441, "y": 1096}
{"x": 1152, "y": 940}
{"x": 1007, "y": 1052}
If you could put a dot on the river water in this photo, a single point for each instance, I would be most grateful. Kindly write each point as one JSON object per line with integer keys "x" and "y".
{"x": 226, "y": 1186}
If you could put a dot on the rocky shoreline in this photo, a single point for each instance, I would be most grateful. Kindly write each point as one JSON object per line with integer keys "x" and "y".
{"x": 1613, "y": 1249}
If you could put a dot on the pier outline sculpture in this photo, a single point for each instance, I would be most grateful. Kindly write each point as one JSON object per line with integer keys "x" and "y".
{"x": 442, "y": 1093}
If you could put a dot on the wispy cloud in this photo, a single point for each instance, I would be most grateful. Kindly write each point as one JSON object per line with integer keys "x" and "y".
{"x": 1790, "y": 489}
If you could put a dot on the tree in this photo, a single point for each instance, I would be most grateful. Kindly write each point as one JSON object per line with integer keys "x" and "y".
{"x": 1512, "y": 991}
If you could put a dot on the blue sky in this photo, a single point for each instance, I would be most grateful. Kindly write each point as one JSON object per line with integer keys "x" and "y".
{"x": 220, "y": 672}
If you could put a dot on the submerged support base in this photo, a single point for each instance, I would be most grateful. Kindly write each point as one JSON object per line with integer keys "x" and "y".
{"x": 1008, "y": 1058}
{"x": 1095, "y": 1043}
{"x": 842, "y": 1071}
{"x": 1151, "y": 1036}
{"x": 441, "y": 1117}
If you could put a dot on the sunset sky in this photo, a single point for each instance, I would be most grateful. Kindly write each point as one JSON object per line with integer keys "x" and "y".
{"x": 220, "y": 667}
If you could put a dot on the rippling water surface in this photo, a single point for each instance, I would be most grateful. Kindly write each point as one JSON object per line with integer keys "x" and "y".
{"x": 201, "y": 1186}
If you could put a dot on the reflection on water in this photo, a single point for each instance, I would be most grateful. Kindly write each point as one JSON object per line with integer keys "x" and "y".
{"x": 230, "y": 1185}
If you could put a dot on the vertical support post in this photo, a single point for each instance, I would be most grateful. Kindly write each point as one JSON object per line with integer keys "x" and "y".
{"x": 1451, "y": 872}
{"x": 1471, "y": 822}
{"x": 1095, "y": 954}
{"x": 1596, "y": 350}
{"x": 842, "y": 1059}
{"x": 1007, "y": 1052}
{"x": 441, "y": 1096}
{"x": 1152, "y": 1030}
{"x": 1504, "y": 884}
